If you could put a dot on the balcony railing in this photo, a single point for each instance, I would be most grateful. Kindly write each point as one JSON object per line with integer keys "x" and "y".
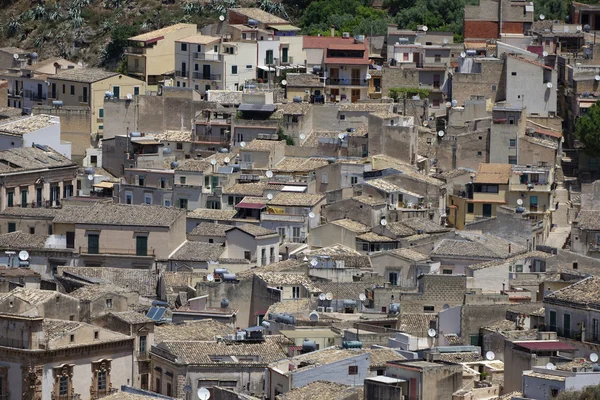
{"x": 112, "y": 251}
{"x": 85, "y": 99}
{"x": 142, "y": 355}
{"x": 181, "y": 74}
{"x": 206, "y": 77}
{"x": 347, "y": 81}
{"x": 532, "y": 187}
{"x": 131, "y": 69}
{"x": 208, "y": 57}
{"x": 290, "y": 60}
{"x": 34, "y": 96}
{"x": 246, "y": 164}
{"x": 212, "y": 138}
{"x": 432, "y": 65}
{"x": 283, "y": 217}
{"x": 135, "y": 50}
{"x": 15, "y": 93}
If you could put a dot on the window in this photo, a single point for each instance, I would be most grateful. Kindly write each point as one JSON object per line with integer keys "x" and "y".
{"x": 183, "y": 203}
{"x": 64, "y": 88}
{"x": 141, "y": 245}
{"x": 284, "y": 54}
{"x": 353, "y": 370}
{"x": 116, "y": 91}
{"x": 247, "y": 255}
{"x": 148, "y": 198}
{"x": 72, "y": 90}
{"x": 428, "y": 308}
{"x": 594, "y": 329}
{"x": 552, "y": 320}
{"x": 32, "y": 230}
{"x": 324, "y": 177}
{"x": 216, "y": 48}
{"x": 405, "y": 56}
{"x": 141, "y": 180}
{"x": 269, "y": 58}
{"x": 437, "y": 58}
{"x": 353, "y": 180}
{"x": 393, "y": 278}
{"x": 342, "y": 117}
{"x": 512, "y": 160}
{"x": 72, "y": 338}
{"x": 163, "y": 183}
{"x": 470, "y": 208}
{"x": 183, "y": 46}
{"x": 101, "y": 113}
{"x": 96, "y": 335}
{"x": 93, "y": 243}
{"x": 84, "y": 97}
{"x": 128, "y": 198}
{"x": 493, "y": 88}
{"x": 136, "y": 90}
{"x": 101, "y": 381}
{"x": 142, "y": 344}
{"x": 24, "y": 197}
{"x": 566, "y": 325}
{"x": 10, "y": 198}
{"x": 511, "y": 120}
{"x": 167, "y": 203}
{"x": 234, "y": 70}
{"x": 179, "y": 146}
{"x": 435, "y": 103}
{"x": 63, "y": 386}
{"x": 296, "y": 292}
{"x": 249, "y": 66}
{"x": 513, "y": 73}
{"x": 512, "y": 143}
{"x": 182, "y": 180}
{"x": 108, "y": 303}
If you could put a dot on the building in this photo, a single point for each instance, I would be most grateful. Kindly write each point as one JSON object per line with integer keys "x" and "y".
{"x": 40, "y": 129}
{"x": 293, "y": 214}
{"x": 343, "y": 62}
{"x": 541, "y": 382}
{"x": 88, "y": 88}
{"x": 491, "y": 19}
{"x": 97, "y": 300}
{"x": 146, "y": 186}
{"x": 56, "y": 359}
{"x": 117, "y": 234}
{"x": 427, "y": 380}
{"x": 258, "y": 245}
{"x": 325, "y": 389}
{"x": 585, "y": 233}
{"x": 151, "y": 55}
{"x": 40, "y": 303}
{"x": 35, "y": 177}
{"x": 193, "y": 256}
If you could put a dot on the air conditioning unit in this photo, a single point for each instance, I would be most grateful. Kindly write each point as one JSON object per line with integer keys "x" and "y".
{"x": 320, "y": 309}
{"x": 328, "y": 309}
{"x": 346, "y": 35}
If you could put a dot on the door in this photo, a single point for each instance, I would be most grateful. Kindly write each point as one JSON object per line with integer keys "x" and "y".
{"x": 334, "y": 94}
{"x": 39, "y": 91}
{"x": 38, "y": 196}
{"x": 206, "y": 71}
{"x": 141, "y": 245}
{"x": 533, "y": 203}
{"x": 183, "y": 69}
{"x": 487, "y": 210}
{"x": 552, "y": 320}
{"x": 355, "y": 95}
{"x": 334, "y": 76}
{"x": 567, "y": 325}
{"x": 70, "y": 240}
{"x": 116, "y": 92}
{"x": 93, "y": 243}
{"x": 355, "y": 74}
{"x": 436, "y": 81}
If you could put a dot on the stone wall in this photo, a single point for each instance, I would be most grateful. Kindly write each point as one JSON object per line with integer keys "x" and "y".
{"x": 480, "y": 84}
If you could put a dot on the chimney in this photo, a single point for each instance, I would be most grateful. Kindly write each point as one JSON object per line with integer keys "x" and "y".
{"x": 332, "y": 31}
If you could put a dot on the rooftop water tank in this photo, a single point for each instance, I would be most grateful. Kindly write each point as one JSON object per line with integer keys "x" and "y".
{"x": 352, "y": 344}
{"x": 308, "y": 345}
{"x": 229, "y": 277}
{"x": 220, "y": 271}
{"x": 224, "y": 303}
{"x": 174, "y": 164}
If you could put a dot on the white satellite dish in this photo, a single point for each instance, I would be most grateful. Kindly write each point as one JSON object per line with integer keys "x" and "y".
{"x": 313, "y": 316}
{"x": 425, "y": 124}
{"x": 362, "y": 297}
{"x": 16, "y": 56}
{"x": 23, "y": 255}
{"x": 322, "y": 297}
{"x": 490, "y": 355}
{"x": 226, "y": 160}
{"x": 431, "y": 332}
{"x": 213, "y": 161}
{"x": 463, "y": 54}
{"x": 242, "y": 144}
{"x": 314, "y": 262}
{"x": 221, "y": 18}
{"x": 593, "y": 357}
{"x": 448, "y": 104}
{"x": 270, "y": 196}
{"x": 210, "y": 277}
{"x": 129, "y": 96}
{"x": 520, "y": 202}
{"x": 368, "y": 76}
{"x": 329, "y": 296}
{"x": 284, "y": 82}
{"x": 544, "y": 54}
{"x": 203, "y": 393}
{"x": 302, "y": 136}
{"x": 90, "y": 177}
{"x": 383, "y": 222}
{"x": 542, "y": 17}
{"x": 425, "y": 28}
{"x": 269, "y": 174}
{"x": 311, "y": 214}
{"x": 549, "y": 85}
{"x": 550, "y": 366}
{"x": 341, "y": 136}
{"x": 454, "y": 103}
{"x": 597, "y": 77}
{"x": 441, "y": 133}
{"x": 445, "y": 41}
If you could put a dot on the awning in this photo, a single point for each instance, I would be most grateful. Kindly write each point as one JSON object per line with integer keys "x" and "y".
{"x": 254, "y": 206}
{"x": 585, "y": 105}
{"x": 284, "y": 28}
{"x": 269, "y": 69}
{"x": 297, "y": 189}
{"x": 104, "y": 185}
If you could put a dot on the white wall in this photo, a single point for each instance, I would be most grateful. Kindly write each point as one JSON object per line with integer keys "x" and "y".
{"x": 49, "y": 136}
{"x": 263, "y": 46}
{"x": 246, "y": 56}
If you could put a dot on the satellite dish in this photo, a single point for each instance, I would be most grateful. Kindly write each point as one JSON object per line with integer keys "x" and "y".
{"x": 593, "y": 357}
{"x": 441, "y": 133}
{"x": 549, "y": 85}
{"x": 542, "y": 17}
{"x": 90, "y": 177}
{"x": 313, "y": 316}
{"x": 129, "y": 96}
{"x": 16, "y": 56}
{"x": 329, "y": 296}
{"x": 210, "y": 277}
{"x": 431, "y": 332}
{"x": 302, "y": 136}
{"x": 226, "y": 160}
{"x": 463, "y": 54}
{"x": 187, "y": 389}
{"x": 322, "y": 297}
{"x": 425, "y": 124}
{"x": 445, "y": 41}
{"x": 314, "y": 262}
{"x": 550, "y": 366}
{"x": 520, "y": 202}
{"x": 311, "y": 214}
{"x": 270, "y": 196}
{"x": 490, "y": 355}
{"x": 383, "y": 222}
{"x": 597, "y": 77}
{"x": 213, "y": 161}
{"x": 425, "y": 28}
{"x": 242, "y": 144}
{"x": 221, "y": 18}
{"x": 454, "y": 103}
{"x": 23, "y": 255}
{"x": 446, "y": 306}
{"x": 269, "y": 174}
{"x": 448, "y": 104}
{"x": 203, "y": 393}
{"x": 368, "y": 76}
{"x": 544, "y": 54}
{"x": 362, "y": 297}
{"x": 284, "y": 82}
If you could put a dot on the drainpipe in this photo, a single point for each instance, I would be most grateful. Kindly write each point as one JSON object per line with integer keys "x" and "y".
{"x": 500, "y": 20}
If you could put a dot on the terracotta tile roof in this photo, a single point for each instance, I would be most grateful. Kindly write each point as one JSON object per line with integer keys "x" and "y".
{"x": 83, "y": 75}
{"x": 296, "y": 199}
{"x": 55, "y": 329}
{"x": 320, "y": 390}
{"x": 254, "y": 230}
{"x": 22, "y": 241}
{"x": 369, "y": 200}
{"x": 204, "y": 330}
{"x": 304, "y": 81}
{"x": 374, "y": 237}
{"x": 256, "y": 189}
{"x": 122, "y": 215}
{"x": 36, "y": 213}
{"x": 198, "y": 252}
{"x": 351, "y": 225}
{"x": 493, "y": 173}
{"x": 477, "y": 246}
{"x": 33, "y": 296}
{"x": 24, "y": 159}
{"x": 299, "y": 164}
{"x": 210, "y": 229}
{"x": 142, "y": 281}
{"x": 92, "y": 292}
{"x": 278, "y": 279}
{"x": 351, "y": 257}
{"x": 585, "y": 293}
{"x": 28, "y": 124}
{"x": 199, "y": 39}
{"x": 131, "y": 317}
{"x": 259, "y": 15}
{"x": 295, "y": 306}
{"x": 213, "y": 215}
{"x": 264, "y": 145}
{"x": 588, "y": 220}
{"x": 159, "y": 32}
{"x": 531, "y": 62}
{"x": 407, "y": 254}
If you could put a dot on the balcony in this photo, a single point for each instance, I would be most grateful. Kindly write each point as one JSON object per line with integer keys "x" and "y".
{"x": 181, "y": 74}
{"x": 15, "y": 93}
{"x": 346, "y": 82}
{"x": 206, "y": 77}
{"x": 132, "y": 69}
{"x": 439, "y": 65}
{"x": 84, "y": 99}
{"x": 246, "y": 164}
{"x": 115, "y": 252}
{"x": 135, "y": 50}
{"x": 531, "y": 187}
{"x": 212, "y": 139}
{"x": 283, "y": 217}
{"x": 290, "y": 60}
{"x": 142, "y": 355}
{"x": 208, "y": 57}
{"x": 34, "y": 96}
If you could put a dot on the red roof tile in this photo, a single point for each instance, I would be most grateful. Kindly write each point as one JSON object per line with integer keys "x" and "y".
{"x": 539, "y": 345}
{"x": 531, "y": 62}
{"x": 548, "y": 133}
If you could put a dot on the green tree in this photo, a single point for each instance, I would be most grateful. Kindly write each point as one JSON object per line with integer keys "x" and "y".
{"x": 118, "y": 42}
{"x": 589, "y": 393}
{"x": 551, "y": 9}
{"x": 587, "y": 130}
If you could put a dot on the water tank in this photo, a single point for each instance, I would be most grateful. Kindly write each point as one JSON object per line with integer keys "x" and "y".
{"x": 108, "y": 94}
{"x": 167, "y": 150}
{"x": 316, "y": 69}
{"x": 471, "y": 52}
{"x": 220, "y": 271}
{"x": 34, "y": 56}
{"x": 349, "y": 303}
{"x": 596, "y": 368}
{"x": 223, "y": 150}
{"x": 224, "y": 303}
{"x": 520, "y": 210}
{"x": 229, "y": 277}
{"x": 252, "y": 22}
{"x": 174, "y": 164}
{"x": 240, "y": 335}
{"x": 352, "y": 344}
{"x": 88, "y": 170}
{"x": 287, "y": 319}
{"x": 266, "y": 324}
{"x": 135, "y": 134}
{"x": 394, "y": 308}
{"x": 57, "y": 103}
{"x": 297, "y": 99}
{"x": 308, "y": 346}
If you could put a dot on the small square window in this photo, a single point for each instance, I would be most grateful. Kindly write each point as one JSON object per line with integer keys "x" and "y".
{"x": 428, "y": 308}
{"x": 72, "y": 338}
{"x": 32, "y": 230}
{"x": 513, "y": 73}
{"x": 493, "y": 88}
{"x": 234, "y": 70}
{"x": 342, "y": 117}
{"x": 353, "y": 370}
{"x": 470, "y": 208}
{"x": 182, "y": 180}
{"x": 108, "y": 303}
{"x": 183, "y": 46}
{"x": 479, "y": 153}
{"x": 96, "y": 334}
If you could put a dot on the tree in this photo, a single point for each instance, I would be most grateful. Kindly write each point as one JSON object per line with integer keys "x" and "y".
{"x": 551, "y": 9}
{"x": 119, "y": 35}
{"x": 589, "y": 393}
{"x": 587, "y": 130}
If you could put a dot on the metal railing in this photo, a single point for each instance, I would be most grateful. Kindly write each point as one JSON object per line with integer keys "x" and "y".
{"x": 85, "y": 99}
{"x": 347, "y": 81}
{"x": 206, "y": 77}
{"x": 246, "y": 164}
{"x": 181, "y": 74}
{"x": 133, "y": 70}
{"x": 135, "y": 50}
{"x": 34, "y": 96}
{"x": 208, "y": 57}
{"x": 15, "y": 93}
{"x": 212, "y": 138}
{"x": 290, "y": 60}
{"x": 142, "y": 355}
{"x": 267, "y": 260}
{"x": 113, "y": 251}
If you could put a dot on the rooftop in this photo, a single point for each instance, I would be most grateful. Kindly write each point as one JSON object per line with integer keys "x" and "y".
{"x": 83, "y": 75}
{"x": 212, "y": 215}
{"x": 22, "y": 241}
{"x": 296, "y": 199}
{"x": 351, "y": 225}
{"x": 369, "y": 200}
{"x": 32, "y": 296}
{"x": 28, "y": 124}
{"x": 347, "y": 290}
{"x": 406, "y": 253}
{"x": 287, "y": 279}
{"x": 198, "y": 252}
{"x": 204, "y": 330}
{"x": 142, "y": 281}
{"x": 255, "y": 189}
{"x": 131, "y": 317}
{"x": 493, "y": 173}
{"x": 325, "y": 356}
{"x": 374, "y": 237}
{"x": 55, "y": 329}
{"x": 304, "y": 80}
{"x": 254, "y": 230}
{"x": 120, "y": 214}
{"x": 157, "y": 34}
{"x": 351, "y": 257}
{"x": 320, "y": 390}
{"x": 588, "y": 220}
{"x": 294, "y": 306}
{"x": 263, "y": 145}
{"x": 199, "y": 39}
{"x": 477, "y": 246}
{"x": 259, "y": 15}
{"x": 92, "y": 292}
{"x": 585, "y": 293}
{"x": 27, "y": 212}
{"x": 210, "y": 229}
{"x": 299, "y": 164}
{"x": 24, "y": 159}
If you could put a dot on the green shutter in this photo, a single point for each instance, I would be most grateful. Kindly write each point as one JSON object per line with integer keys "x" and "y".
{"x": 141, "y": 246}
